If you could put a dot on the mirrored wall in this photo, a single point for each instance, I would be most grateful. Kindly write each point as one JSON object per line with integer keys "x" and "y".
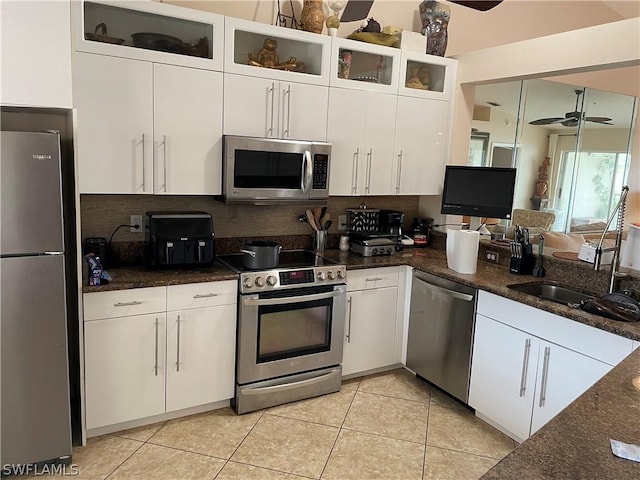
{"x": 570, "y": 145}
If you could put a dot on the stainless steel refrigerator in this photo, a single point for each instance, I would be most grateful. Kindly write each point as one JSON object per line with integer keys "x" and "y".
{"x": 35, "y": 412}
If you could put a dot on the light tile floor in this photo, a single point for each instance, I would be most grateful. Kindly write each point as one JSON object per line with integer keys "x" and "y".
{"x": 384, "y": 426}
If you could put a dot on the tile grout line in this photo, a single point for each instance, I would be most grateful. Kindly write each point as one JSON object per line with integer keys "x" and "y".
{"x": 426, "y": 433}
{"x": 240, "y": 444}
{"x": 340, "y": 430}
{"x": 125, "y": 460}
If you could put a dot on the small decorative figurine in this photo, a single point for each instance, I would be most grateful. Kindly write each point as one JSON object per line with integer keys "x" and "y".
{"x": 344, "y": 63}
{"x": 333, "y": 22}
{"x": 435, "y": 19}
{"x": 268, "y": 58}
{"x": 414, "y": 80}
{"x": 312, "y": 16}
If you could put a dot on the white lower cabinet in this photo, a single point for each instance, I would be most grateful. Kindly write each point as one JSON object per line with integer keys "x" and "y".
{"x": 142, "y": 363}
{"x": 201, "y": 347}
{"x": 528, "y": 364}
{"x": 503, "y": 375}
{"x": 371, "y": 320}
{"x": 563, "y": 375}
{"x": 124, "y": 368}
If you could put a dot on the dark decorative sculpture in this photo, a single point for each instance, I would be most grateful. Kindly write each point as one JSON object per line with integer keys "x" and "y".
{"x": 435, "y": 20}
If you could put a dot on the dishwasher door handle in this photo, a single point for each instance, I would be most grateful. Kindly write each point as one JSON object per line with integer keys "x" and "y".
{"x": 451, "y": 293}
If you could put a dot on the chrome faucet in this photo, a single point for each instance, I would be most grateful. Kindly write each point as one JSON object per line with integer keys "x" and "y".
{"x": 615, "y": 262}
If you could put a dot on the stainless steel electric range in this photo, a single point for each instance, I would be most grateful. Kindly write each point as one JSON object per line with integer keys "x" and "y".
{"x": 290, "y": 329}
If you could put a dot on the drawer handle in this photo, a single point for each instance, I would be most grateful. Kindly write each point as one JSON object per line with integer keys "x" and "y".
{"x": 374, "y": 279}
{"x": 206, "y": 295}
{"x": 127, "y": 304}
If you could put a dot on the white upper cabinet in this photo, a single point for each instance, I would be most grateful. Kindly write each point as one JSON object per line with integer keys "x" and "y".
{"x": 421, "y": 143}
{"x": 187, "y": 130}
{"x": 426, "y": 76}
{"x": 147, "y": 128}
{"x": 299, "y": 56}
{"x": 114, "y": 103}
{"x": 152, "y": 31}
{"x": 264, "y": 107}
{"x": 36, "y": 53}
{"x": 360, "y": 127}
{"x": 364, "y": 66}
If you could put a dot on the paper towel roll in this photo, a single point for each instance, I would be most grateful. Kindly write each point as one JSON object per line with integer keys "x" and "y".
{"x": 462, "y": 250}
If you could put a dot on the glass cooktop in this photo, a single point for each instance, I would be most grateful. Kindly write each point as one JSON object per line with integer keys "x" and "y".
{"x": 288, "y": 259}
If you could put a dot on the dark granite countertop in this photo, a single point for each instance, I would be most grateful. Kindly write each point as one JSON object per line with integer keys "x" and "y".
{"x": 575, "y": 444}
{"x": 123, "y": 278}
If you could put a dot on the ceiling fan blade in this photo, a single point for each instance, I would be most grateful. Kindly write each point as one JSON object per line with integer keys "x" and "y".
{"x": 547, "y": 121}
{"x": 598, "y": 119}
{"x": 482, "y": 5}
{"x": 356, "y": 10}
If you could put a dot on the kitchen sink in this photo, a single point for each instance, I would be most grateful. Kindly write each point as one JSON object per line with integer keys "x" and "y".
{"x": 551, "y": 291}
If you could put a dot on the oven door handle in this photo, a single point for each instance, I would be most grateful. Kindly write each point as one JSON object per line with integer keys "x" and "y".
{"x": 289, "y": 386}
{"x": 301, "y": 298}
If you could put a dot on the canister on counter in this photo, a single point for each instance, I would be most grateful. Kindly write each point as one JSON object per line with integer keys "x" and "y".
{"x": 421, "y": 231}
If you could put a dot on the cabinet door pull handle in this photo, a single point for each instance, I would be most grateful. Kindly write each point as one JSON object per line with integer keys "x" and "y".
{"x": 525, "y": 367}
{"x": 399, "y": 172}
{"x": 178, "y": 345}
{"x": 155, "y": 368}
{"x": 349, "y": 322}
{"x": 369, "y": 156}
{"x": 127, "y": 304}
{"x": 273, "y": 99}
{"x": 354, "y": 179}
{"x": 287, "y": 92}
{"x": 205, "y": 295}
{"x": 545, "y": 376}
{"x": 164, "y": 166}
{"x": 143, "y": 162}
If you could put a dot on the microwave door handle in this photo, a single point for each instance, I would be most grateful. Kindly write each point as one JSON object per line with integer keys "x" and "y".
{"x": 306, "y": 171}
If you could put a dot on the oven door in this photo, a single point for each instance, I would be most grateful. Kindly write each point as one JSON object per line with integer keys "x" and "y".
{"x": 282, "y": 333}
{"x": 262, "y": 170}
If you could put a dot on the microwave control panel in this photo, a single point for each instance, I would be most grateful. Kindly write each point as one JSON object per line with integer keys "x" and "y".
{"x": 320, "y": 171}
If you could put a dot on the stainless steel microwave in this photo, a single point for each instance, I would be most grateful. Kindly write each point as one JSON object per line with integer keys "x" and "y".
{"x": 265, "y": 171}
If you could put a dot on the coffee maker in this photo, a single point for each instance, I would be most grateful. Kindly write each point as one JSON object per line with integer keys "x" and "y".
{"x": 391, "y": 223}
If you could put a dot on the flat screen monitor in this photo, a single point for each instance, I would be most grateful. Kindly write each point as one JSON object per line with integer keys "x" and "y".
{"x": 478, "y": 191}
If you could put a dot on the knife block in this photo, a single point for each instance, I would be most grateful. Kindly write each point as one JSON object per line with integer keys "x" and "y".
{"x": 523, "y": 265}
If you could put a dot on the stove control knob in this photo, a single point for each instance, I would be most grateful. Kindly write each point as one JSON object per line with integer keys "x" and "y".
{"x": 331, "y": 275}
{"x": 248, "y": 282}
{"x": 340, "y": 274}
{"x": 259, "y": 282}
{"x": 320, "y": 275}
{"x": 271, "y": 280}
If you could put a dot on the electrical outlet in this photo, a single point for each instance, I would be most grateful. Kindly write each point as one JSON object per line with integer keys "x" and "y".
{"x": 342, "y": 222}
{"x": 136, "y": 221}
{"x": 492, "y": 256}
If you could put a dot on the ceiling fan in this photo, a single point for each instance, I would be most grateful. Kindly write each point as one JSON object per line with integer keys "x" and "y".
{"x": 572, "y": 119}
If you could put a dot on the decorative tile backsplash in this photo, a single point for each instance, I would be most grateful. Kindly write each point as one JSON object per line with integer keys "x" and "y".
{"x": 102, "y": 214}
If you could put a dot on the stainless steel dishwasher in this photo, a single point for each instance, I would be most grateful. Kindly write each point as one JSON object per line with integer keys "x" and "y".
{"x": 441, "y": 323}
